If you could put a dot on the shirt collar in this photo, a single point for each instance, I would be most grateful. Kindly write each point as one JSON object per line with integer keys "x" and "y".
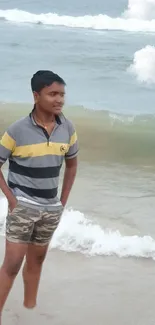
{"x": 58, "y": 118}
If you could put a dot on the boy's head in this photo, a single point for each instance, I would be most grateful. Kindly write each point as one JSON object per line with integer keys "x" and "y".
{"x": 48, "y": 91}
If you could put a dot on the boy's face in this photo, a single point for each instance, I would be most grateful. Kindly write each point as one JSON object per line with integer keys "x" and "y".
{"x": 51, "y": 98}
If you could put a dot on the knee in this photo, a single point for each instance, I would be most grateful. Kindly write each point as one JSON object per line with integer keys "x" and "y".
{"x": 12, "y": 268}
{"x": 36, "y": 263}
{"x": 39, "y": 259}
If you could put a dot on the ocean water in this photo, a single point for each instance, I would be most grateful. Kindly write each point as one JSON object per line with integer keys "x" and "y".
{"x": 105, "y": 52}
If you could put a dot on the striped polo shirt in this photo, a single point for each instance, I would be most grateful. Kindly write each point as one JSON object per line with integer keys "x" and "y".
{"x": 35, "y": 158}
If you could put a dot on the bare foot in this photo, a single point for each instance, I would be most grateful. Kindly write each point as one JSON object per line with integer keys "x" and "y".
{"x": 29, "y": 305}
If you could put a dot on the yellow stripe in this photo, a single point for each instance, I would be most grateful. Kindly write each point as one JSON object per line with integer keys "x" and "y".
{"x": 73, "y": 139}
{"x": 41, "y": 149}
{"x": 8, "y": 142}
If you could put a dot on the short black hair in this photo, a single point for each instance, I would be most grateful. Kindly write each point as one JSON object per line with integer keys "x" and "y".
{"x": 43, "y": 78}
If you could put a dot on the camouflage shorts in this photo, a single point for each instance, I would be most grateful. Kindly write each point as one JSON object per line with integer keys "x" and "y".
{"x": 27, "y": 224}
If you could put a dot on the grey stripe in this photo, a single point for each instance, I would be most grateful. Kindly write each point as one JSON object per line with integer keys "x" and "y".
{"x": 72, "y": 150}
{"x": 4, "y": 153}
{"x": 42, "y": 201}
{"x": 54, "y": 208}
{"x": 32, "y": 134}
{"x": 46, "y": 183}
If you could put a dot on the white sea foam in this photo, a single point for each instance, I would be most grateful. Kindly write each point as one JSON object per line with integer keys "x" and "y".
{"x": 76, "y": 233}
{"x": 121, "y": 119}
{"x": 141, "y": 9}
{"x": 130, "y": 21}
{"x": 143, "y": 66}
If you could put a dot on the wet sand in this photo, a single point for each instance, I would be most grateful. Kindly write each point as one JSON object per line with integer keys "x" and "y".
{"x": 79, "y": 290}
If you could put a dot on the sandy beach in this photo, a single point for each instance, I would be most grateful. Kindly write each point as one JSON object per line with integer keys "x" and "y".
{"x": 78, "y": 290}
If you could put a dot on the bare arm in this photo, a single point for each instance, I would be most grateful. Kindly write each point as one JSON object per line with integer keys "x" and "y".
{"x": 6, "y": 190}
{"x": 69, "y": 177}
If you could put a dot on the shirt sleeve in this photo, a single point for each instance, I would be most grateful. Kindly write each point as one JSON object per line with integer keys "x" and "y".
{"x": 73, "y": 144}
{"x": 7, "y": 144}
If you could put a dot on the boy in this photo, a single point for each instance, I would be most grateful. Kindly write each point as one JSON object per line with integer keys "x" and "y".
{"x": 36, "y": 147}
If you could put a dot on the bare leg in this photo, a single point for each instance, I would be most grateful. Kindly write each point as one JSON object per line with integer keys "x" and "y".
{"x": 31, "y": 273}
{"x": 14, "y": 254}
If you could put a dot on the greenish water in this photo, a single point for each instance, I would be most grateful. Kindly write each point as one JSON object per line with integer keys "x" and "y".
{"x": 103, "y": 136}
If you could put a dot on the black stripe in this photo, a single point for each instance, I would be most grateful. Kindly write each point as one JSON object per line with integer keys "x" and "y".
{"x": 72, "y": 154}
{"x": 3, "y": 159}
{"x": 37, "y": 172}
{"x": 45, "y": 194}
